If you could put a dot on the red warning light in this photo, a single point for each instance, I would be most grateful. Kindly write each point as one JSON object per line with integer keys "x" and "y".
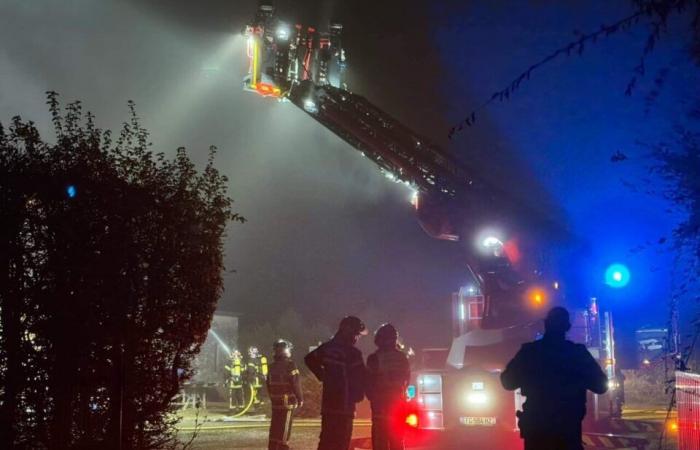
{"x": 512, "y": 252}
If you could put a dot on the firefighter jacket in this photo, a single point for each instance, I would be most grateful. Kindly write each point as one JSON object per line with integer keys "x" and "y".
{"x": 234, "y": 373}
{"x": 388, "y": 374}
{"x": 341, "y": 369}
{"x": 256, "y": 370}
{"x": 284, "y": 384}
{"x": 554, "y": 375}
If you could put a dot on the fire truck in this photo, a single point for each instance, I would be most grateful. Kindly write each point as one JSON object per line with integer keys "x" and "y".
{"x": 458, "y": 389}
{"x": 509, "y": 261}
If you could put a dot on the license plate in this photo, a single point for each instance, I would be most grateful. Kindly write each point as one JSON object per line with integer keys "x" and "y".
{"x": 478, "y": 421}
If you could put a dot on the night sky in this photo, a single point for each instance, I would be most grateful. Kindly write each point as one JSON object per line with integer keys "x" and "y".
{"x": 327, "y": 233}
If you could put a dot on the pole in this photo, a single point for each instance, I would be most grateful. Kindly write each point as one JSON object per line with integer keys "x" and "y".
{"x": 122, "y": 373}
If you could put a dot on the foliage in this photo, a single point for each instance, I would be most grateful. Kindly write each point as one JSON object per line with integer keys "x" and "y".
{"x": 110, "y": 270}
{"x": 654, "y": 14}
{"x": 678, "y": 164}
{"x": 312, "y": 395}
{"x": 645, "y": 387}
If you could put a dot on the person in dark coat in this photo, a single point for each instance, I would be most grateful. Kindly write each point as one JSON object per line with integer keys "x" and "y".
{"x": 339, "y": 365}
{"x": 388, "y": 374}
{"x": 284, "y": 389}
{"x": 554, "y": 375}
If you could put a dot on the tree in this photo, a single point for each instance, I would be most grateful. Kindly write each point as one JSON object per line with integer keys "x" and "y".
{"x": 110, "y": 270}
{"x": 678, "y": 164}
{"x": 654, "y": 14}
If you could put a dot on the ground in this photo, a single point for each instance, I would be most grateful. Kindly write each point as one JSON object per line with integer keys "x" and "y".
{"x": 219, "y": 431}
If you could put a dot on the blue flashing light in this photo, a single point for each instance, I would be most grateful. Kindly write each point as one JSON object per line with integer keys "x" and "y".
{"x": 411, "y": 392}
{"x": 617, "y": 276}
{"x": 71, "y": 191}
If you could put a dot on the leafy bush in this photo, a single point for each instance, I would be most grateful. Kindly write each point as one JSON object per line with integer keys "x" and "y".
{"x": 646, "y": 387}
{"x": 312, "y": 395}
{"x": 110, "y": 270}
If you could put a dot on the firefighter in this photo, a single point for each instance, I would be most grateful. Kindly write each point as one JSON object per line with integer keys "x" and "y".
{"x": 235, "y": 381}
{"x": 339, "y": 365}
{"x": 388, "y": 374}
{"x": 553, "y": 374}
{"x": 254, "y": 372}
{"x": 284, "y": 390}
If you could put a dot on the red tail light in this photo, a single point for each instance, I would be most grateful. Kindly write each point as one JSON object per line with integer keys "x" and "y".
{"x": 412, "y": 420}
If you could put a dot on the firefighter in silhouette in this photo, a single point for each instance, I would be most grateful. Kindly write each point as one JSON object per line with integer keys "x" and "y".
{"x": 553, "y": 374}
{"x": 339, "y": 365}
{"x": 388, "y": 373}
{"x": 284, "y": 390}
{"x": 235, "y": 381}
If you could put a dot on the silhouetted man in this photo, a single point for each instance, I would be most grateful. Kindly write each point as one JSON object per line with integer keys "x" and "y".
{"x": 553, "y": 374}
{"x": 388, "y": 373}
{"x": 341, "y": 369}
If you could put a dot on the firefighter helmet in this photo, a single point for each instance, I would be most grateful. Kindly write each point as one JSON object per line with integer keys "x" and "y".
{"x": 253, "y": 352}
{"x": 353, "y": 325}
{"x": 282, "y": 347}
{"x": 386, "y": 334}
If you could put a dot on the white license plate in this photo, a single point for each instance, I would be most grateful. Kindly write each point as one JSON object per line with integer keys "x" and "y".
{"x": 478, "y": 421}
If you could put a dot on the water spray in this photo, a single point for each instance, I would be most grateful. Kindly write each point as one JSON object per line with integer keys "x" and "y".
{"x": 221, "y": 342}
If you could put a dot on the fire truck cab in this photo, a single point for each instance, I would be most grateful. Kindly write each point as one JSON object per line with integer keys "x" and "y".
{"x": 465, "y": 396}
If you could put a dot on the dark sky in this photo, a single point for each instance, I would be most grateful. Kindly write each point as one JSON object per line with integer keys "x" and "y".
{"x": 327, "y": 234}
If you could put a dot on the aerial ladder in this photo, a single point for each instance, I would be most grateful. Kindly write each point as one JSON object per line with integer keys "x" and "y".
{"x": 305, "y": 66}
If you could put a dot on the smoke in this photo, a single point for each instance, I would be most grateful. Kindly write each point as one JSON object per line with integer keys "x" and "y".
{"x": 327, "y": 234}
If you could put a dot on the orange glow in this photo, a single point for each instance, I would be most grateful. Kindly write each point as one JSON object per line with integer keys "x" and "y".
{"x": 267, "y": 90}
{"x": 412, "y": 420}
{"x": 537, "y": 297}
{"x": 672, "y": 426}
